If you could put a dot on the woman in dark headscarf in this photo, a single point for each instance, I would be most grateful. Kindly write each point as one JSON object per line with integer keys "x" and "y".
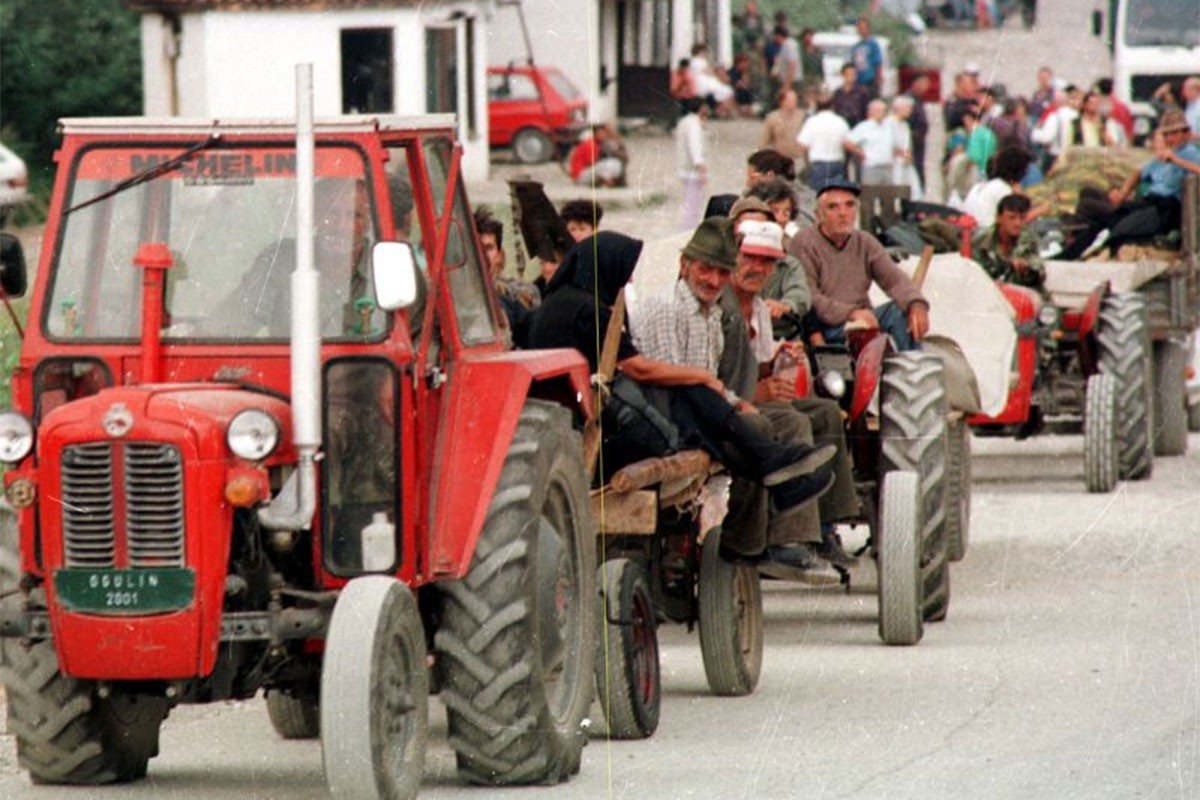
{"x": 575, "y": 313}
{"x": 580, "y": 295}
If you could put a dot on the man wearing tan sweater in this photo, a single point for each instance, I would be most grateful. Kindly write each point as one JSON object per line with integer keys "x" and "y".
{"x": 842, "y": 262}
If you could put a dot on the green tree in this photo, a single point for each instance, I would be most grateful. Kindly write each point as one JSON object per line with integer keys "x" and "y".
{"x": 64, "y": 58}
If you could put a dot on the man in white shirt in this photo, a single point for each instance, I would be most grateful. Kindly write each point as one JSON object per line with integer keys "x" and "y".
{"x": 823, "y": 139}
{"x": 873, "y": 142}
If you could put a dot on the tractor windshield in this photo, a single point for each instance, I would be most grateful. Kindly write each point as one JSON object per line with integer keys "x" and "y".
{"x": 228, "y": 216}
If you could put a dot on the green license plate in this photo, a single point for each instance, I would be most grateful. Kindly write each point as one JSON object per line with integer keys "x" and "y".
{"x": 125, "y": 591}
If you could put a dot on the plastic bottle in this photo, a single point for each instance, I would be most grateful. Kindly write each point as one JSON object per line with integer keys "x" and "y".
{"x": 378, "y": 544}
{"x": 786, "y": 367}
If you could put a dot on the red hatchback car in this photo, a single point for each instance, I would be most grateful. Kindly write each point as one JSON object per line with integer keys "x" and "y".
{"x": 534, "y": 110}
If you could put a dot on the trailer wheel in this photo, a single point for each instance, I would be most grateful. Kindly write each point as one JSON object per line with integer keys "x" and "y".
{"x": 374, "y": 692}
{"x": 66, "y": 732}
{"x": 1100, "y": 435}
{"x": 294, "y": 716}
{"x": 899, "y": 559}
{"x": 1170, "y": 399}
{"x": 517, "y": 638}
{"x": 958, "y": 489}
{"x": 731, "y": 621}
{"x": 1124, "y": 342}
{"x": 531, "y": 146}
{"x": 627, "y": 676}
{"x": 912, "y": 427}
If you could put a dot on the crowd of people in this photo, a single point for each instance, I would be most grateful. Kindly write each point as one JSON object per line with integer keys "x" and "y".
{"x": 783, "y": 265}
{"x": 764, "y": 275}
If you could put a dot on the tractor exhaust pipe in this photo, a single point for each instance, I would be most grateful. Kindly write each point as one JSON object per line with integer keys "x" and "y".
{"x": 293, "y": 508}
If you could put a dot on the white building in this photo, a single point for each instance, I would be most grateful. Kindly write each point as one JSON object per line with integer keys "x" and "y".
{"x": 236, "y": 58}
{"x": 618, "y": 52}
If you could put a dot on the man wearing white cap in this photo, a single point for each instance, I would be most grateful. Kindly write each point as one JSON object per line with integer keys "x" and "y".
{"x": 746, "y": 367}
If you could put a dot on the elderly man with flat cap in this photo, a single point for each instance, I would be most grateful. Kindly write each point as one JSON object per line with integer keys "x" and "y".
{"x": 683, "y": 326}
{"x": 842, "y": 262}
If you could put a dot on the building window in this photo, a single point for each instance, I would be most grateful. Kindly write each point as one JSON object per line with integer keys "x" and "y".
{"x": 367, "y": 71}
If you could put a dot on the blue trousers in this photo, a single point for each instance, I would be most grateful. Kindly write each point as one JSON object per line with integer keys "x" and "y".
{"x": 892, "y": 321}
{"x": 821, "y": 172}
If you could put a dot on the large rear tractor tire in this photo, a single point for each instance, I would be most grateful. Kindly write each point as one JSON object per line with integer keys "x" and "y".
{"x": 899, "y": 556}
{"x": 517, "y": 639}
{"x": 731, "y": 621}
{"x": 958, "y": 489}
{"x": 627, "y": 675}
{"x": 1170, "y": 399}
{"x": 1123, "y": 337}
{"x": 913, "y": 423}
{"x": 66, "y": 731}
{"x": 294, "y": 716}
{"x": 374, "y": 693}
{"x": 1100, "y": 435}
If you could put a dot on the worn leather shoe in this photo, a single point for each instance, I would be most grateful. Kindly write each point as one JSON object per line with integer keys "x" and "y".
{"x": 799, "y": 460}
{"x": 792, "y": 494}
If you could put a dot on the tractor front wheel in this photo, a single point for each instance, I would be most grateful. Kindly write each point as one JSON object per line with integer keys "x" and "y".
{"x": 899, "y": 554}
{"x": 627, "y": 677}
{"x": 517, "y": 638}
{"x": 374, "y": 692}
{"x": 67, "y": 730}
{"x": 1100, "y": 435}
{"x": 731, "y": 621}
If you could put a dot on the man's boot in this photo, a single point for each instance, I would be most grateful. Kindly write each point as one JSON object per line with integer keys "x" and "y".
{"x": 771, "y": 462}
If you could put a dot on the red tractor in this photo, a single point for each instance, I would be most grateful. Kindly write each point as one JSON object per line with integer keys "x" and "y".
{"x": 911, "y": 467}
{"x": 220, "y": 482}
{"x": 1082, "y": 368}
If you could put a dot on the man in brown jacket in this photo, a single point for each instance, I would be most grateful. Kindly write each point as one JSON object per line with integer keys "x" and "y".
{"x": 841, "y": 262}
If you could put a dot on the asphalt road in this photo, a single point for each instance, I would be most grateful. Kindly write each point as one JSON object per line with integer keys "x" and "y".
{"x": 1068, "y": 667}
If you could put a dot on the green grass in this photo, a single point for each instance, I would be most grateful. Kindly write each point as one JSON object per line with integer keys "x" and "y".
{"x": 10, "y": 349}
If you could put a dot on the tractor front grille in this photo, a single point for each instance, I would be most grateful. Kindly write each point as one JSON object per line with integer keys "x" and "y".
{"x": 122, "y": 505}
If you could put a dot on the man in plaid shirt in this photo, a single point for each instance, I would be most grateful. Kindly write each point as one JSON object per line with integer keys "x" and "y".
{"x": 683, "y": 326}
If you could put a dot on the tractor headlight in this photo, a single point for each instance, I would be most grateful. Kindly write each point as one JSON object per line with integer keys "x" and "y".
{"x": 252, "y": 434}
{"x": 16, "y": 437}
{"x": 833, "y": 383}
{"x": 1047, "y": 316}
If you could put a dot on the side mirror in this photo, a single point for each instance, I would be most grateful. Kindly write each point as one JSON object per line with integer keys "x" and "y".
{"x": 12, "y": 265}
{"x": 1097, "y": 22}
{"x": 394, "y": 270}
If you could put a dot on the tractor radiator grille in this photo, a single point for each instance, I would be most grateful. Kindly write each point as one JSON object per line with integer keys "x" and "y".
{"x": 140, "y": 482}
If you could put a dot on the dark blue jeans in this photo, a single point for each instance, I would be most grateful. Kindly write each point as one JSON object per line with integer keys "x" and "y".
{"x": 892, "y": 321}
{"x": 821, "y": 172}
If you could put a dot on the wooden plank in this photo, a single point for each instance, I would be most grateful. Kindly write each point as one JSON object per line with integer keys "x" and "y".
{"x": 625, "y": 513}
{"x": 649, "y": 471}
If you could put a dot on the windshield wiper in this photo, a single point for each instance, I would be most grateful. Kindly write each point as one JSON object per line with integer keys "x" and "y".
{"x": 148, "y": 174}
